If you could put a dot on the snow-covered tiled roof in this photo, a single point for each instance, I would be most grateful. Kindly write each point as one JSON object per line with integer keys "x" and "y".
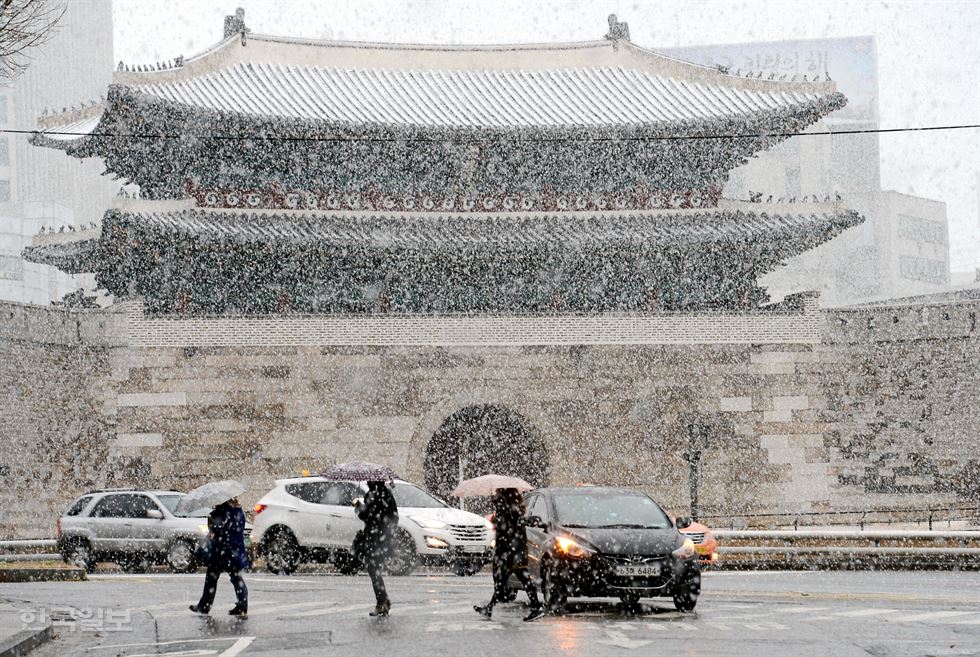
{"x": 586, "y": 97}
{"x": 74, "y": 129}
{"x": 427, "y": 231}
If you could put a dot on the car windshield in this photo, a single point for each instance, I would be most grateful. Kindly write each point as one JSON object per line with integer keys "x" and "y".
{"x": 409, "y": 496}
{"x": 170, "y": 501}
{"x": 609, "y": 511}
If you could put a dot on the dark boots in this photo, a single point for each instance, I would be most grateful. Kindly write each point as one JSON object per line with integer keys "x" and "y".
{"x": 382, "y": 608}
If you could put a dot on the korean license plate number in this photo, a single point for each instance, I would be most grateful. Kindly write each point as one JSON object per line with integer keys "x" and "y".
{"x": 639, "y": 570}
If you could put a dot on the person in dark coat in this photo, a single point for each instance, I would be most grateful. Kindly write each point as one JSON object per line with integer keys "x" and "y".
{"x": 227, "y": 554}
{"x": 379, "y": 512}
{"x": 510, "y": 551}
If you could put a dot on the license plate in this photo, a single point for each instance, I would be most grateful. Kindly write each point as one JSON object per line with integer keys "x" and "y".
{"x": 639, "y": 570}
{"x": 472, "y": 548}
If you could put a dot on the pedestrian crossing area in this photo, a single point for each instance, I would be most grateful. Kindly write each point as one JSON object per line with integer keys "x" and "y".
{"x": 287, "y": 615}
{"x": 875, "y": 614}
{"x": 454, "y": 615}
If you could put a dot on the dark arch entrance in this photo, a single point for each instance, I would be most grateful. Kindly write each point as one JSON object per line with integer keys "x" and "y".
{"x": 484, "y": 439}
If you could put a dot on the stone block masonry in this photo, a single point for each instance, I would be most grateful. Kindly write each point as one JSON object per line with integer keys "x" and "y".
{"x": 771, "y": 327}
{"x": 865, "y": 416}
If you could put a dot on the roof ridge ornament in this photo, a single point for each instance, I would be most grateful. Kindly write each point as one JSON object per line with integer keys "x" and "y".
{"x": 618, "y": 30}
{"x": 235, "y": 24}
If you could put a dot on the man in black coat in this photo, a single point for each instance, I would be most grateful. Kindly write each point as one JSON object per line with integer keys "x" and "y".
{"x": 379, "y": 512}
{"x": 227, "y": 554}
{"x": 510, "y": 551}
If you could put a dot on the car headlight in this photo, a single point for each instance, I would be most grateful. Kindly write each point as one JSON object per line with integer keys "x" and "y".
{"x": 427, "y": 523}
{"x": 203, "y": 529}
{"x": 571, "y": 548}
{"x": 686, "y": 550}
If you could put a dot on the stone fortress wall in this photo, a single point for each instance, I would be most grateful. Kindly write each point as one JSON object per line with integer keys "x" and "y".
{"x": 807, "y": 410}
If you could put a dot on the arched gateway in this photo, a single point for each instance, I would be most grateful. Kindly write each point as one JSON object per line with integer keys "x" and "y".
{"x": 481, "y": 439}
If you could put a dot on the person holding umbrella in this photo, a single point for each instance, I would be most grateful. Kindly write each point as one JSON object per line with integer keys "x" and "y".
{"x": 379, "y": 513}
{"x": 226, "y": 551}
{"x": 510, "y": 549}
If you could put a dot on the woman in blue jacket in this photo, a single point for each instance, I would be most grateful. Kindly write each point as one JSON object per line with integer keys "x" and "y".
{"x": 227, "y": 554}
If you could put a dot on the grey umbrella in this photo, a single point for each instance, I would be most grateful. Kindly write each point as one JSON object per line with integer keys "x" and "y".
{"x": 210, "y": 494}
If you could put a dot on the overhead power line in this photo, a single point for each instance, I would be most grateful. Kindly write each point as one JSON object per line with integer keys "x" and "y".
{"x": 516, "y": 138}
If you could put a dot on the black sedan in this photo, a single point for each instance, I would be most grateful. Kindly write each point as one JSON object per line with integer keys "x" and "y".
{"x": 608, "y": 542}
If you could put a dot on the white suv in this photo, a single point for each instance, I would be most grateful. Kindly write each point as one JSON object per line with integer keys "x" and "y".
{"x": 312, "y": 519}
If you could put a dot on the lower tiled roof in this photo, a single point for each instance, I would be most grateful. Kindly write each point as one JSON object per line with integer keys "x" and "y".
{"x": 72, "y": 257}
{"x": 433, "y": 231}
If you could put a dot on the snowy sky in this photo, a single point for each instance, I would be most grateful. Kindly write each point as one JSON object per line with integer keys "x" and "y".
{"x": 928, "y": 57}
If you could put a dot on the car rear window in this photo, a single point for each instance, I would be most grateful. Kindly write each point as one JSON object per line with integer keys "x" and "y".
{"x": 79, "y": 504}
{"x": 309, "y": 491}
{"x": 325, "y": 492}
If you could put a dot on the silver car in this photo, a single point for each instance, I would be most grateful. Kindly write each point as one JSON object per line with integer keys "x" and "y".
{"x": 133, "y": 528}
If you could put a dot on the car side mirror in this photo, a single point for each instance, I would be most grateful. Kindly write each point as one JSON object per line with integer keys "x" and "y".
{"x": 536, "y": 522}
{"x": 683, "y": 522}
{"x": 155, "y": 514}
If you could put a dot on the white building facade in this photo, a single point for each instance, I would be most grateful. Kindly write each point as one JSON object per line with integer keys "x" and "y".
{"x": 37, "y": 187}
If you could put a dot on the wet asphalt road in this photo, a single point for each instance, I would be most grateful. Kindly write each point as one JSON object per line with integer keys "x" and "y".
{"x": 765, "y": 613}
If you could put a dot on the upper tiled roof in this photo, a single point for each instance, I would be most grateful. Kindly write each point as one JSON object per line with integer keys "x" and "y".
{"x": 580, "y": 97}
{"x": 591, "y": 84}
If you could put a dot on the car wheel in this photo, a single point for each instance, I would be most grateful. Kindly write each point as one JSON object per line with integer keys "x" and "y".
{"x": 553, "y": 588}
{"x": 629, "y": 600}
{"x": 687, "y": 592}
{"x": 403, "y": 557}
{"x": 79, "y": 553}
{"x": 282, "y": 554}
{"x": 180, "y": 557}
{"x": 466, "y": 568}
{"x": 346, "y": 563}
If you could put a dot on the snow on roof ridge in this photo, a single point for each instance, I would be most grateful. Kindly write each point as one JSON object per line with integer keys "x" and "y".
{"x": 450, "y": 47}
{"x": 235, "y": 49}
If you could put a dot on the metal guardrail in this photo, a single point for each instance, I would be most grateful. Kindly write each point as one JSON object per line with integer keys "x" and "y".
{"x": 929, "y": 516}
{"x": 845, "y": 534}
{"x": 30, "y": 557}
{"x": 838, "y": 550}
{"x": 849, "y": 548}
{"x": 26, "y": 545}
{"x": 29, "y": 550}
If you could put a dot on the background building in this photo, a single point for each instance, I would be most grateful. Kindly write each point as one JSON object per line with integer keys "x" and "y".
{"x": 37, "y": 187}
{"x": 880, "y": 259}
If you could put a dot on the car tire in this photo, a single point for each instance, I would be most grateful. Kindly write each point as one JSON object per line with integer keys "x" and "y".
{"x": 464, "y": 569}
{"x": 347, "y": 563}
{"x": 629, "y": 600}
{"x": 282, "y": 553}
{"x": 553, "y": 588}
{"x": 181, "y": 557}
{"x": 687, "y": 591}
{"x": 403, "y": 557}
{"x": 78, "y": 552}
